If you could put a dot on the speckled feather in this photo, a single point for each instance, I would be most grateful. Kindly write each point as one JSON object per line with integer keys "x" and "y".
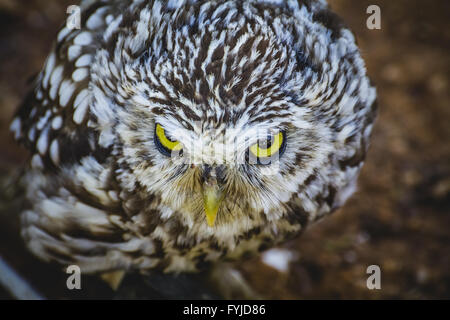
{"x": 102, "y": 196}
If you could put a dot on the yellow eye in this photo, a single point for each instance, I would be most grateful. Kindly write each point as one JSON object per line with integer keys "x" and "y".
{"x": 165, "y": 145}
{"x": 266, "y": 149}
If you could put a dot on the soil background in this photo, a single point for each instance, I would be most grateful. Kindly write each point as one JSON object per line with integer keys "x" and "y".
{"x": 399, "y": 218}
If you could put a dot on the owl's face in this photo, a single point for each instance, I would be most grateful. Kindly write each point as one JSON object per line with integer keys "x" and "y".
{"x": 225, "y": 119}
{"x": 222, "y": 171}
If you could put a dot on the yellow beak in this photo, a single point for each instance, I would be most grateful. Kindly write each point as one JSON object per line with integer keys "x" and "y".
{"x": 212, "y": 198}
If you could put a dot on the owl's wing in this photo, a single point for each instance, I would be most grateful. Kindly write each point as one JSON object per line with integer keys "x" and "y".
{"x": 53, "y": 121}
{"x": 74, "y": 212}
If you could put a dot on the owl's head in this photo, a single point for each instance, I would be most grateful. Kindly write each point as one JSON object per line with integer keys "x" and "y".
{"x": 223, "y": 111}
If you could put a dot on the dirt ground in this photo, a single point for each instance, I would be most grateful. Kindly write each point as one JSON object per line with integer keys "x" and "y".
{"x": 400, "y": 217}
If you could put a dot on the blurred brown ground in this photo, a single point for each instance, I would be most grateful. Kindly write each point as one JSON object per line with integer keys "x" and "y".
{"x": 400, "y": 217}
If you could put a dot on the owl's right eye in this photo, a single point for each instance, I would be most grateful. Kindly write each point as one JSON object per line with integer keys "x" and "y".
{"x": 265, "y": 151}
{"x": 165, "y": 145}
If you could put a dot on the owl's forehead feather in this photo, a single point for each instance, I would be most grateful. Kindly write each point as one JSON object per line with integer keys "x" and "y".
{"x": 219, "y": 71}
{"x": 208, "y": 48}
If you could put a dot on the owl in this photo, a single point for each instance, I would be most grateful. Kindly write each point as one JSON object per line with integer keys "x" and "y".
{"x": 173, "y": 135}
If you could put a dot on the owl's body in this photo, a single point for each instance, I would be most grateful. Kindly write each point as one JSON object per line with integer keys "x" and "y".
{"x": 101, "y": 192}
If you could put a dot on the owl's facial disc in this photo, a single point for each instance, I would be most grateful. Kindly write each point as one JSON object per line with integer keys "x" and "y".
{"x": 220, "y": 171}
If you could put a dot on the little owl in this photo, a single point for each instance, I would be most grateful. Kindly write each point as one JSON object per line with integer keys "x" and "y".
{"x": 171, "y": 135}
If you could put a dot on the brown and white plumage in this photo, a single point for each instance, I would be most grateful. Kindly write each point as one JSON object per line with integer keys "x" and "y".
{"x": 217, "y": 76}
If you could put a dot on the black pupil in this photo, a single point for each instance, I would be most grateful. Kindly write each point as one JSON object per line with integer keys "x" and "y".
{"x": 265, "y": 144}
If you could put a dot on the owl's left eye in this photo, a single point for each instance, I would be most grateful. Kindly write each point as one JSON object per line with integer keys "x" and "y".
{"x": 166, "y": 145}
{"x": 266, "y": 150}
